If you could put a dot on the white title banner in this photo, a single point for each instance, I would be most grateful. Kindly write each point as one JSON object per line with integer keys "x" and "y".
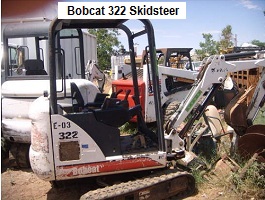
{"x": 122, "y": 10}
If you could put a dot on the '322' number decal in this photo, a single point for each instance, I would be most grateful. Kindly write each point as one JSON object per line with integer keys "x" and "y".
{"x": 68, "y": 135}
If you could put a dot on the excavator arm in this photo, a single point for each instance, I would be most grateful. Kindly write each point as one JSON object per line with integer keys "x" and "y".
{"x": 213, "y": 74}
{"x": 258, "y": 99}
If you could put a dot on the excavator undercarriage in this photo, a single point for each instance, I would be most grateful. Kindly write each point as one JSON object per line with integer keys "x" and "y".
{"x": 160, "y": 185}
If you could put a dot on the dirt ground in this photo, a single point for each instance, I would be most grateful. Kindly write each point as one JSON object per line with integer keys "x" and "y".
{"x": 24, "y": 184}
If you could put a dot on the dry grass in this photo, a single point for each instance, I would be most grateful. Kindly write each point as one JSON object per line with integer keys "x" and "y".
{"x": 229, "y": 179}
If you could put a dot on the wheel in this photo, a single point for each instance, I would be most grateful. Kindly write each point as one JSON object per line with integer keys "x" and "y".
{"x": 20, "y": 152}
{"x": 169, "y": 110}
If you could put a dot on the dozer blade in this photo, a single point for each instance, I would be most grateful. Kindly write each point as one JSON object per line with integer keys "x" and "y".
{"x": 251, "y": 143}
{"x": 177, "y": 184}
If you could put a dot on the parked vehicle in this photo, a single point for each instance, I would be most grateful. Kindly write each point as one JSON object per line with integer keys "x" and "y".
{"x": 82, "y": 139}
{"x": 25, "y": 74}
{"x": 174, "y": 80}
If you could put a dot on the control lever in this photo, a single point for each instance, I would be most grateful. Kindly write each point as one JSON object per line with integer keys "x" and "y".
{"x": 115, "y": 94}
{"x": 127, "y": 94}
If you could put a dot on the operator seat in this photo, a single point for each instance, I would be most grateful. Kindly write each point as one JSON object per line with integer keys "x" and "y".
{"x": 79, "y": 103}
{"x": 34, "y": 67}
{"x": 77, "y": 99}
{"x": 115, "y": 112}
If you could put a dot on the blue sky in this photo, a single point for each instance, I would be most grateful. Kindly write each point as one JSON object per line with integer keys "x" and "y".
{"x": 203, "y": 16}
{"x": 245, "y": 16}
{"x": 208, "y": 16}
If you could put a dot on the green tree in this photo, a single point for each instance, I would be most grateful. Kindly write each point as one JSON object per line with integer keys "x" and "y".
{"x": 226, "y": 38}
{"x": 258, "y": 43}
{"x": 107, "y": 40}
{"x": 208, "y": 47}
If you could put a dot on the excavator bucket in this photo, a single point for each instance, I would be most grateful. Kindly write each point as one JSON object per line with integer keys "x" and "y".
{"x": 253, "y": 142}
{"x": 252, "y": 138}
{"x": 235, "y": 112}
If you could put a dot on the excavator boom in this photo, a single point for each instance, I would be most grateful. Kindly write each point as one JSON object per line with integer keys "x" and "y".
{"x": 212, "y": 75}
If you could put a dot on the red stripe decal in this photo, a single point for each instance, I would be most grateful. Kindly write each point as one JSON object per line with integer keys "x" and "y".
{"x": 103, "y": 167}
